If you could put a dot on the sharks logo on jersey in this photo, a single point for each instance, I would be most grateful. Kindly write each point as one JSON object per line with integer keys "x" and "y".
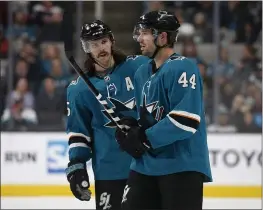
{"x": 120, "y": 109}
{"x": 150, "y": 113}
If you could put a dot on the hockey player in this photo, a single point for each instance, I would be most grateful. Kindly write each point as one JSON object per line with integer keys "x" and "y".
{"x": 169, "y": 143}
{"x": 91, "y": 133}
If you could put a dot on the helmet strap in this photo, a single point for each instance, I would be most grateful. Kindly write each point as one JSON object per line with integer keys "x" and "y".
{"x": 157, "y": 49}
{"x": 107, "y": 69}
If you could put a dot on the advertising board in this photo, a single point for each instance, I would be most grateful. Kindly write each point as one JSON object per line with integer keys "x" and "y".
{"x": 34, "y": 163}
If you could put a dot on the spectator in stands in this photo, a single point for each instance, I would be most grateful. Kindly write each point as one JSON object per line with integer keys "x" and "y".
{"x": 29, "y": 54}
{"x": 49, "y": 18}
{"x": 207, "y": 90}
{"x": 50, "y": 12}
{"x": 245, "y": 68}
{"x": 22, "y": 92}
{"x": 227, "y": 94}
{"x": 207, "y": 79}
{"x": 20, "y": 6}
{"x": 249, "y": 59}
{"x": 256, "y": 107}
{"x": 190, "y": 51}
{"x": 239, "y": 106}
{"x": 21, "y": 71}
{"x": 250, "y": 22}
{"x": 3, "y": 44}
{"x": 20, "y": 30}
{"x": 244, "y": 19}
{"x": 50, "y": 52}
{"x": 247, "y": 33}
{"x": 223, "y": 123}
{"x": 50, "y": 103}
{"x": 202, "y": 31}
{"x": 248, "y": 124}
{"x": 20, "y": 106}
{"x": 256, "y": 75}
{"x": 206, "y": 7}
{"x": 60, "y": 74}
{"x": 230, "y": 13}
{"x": 225, "y": 68}
{"x": 223, "y": 74}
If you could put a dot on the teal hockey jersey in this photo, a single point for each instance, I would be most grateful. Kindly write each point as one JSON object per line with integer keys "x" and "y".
{"x": 172, "y": 112}
{"x": 91, "y": 133}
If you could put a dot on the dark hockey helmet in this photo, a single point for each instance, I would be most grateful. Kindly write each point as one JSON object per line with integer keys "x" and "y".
{"x": 158, "y": 21}
{"x": 94, "y": 31}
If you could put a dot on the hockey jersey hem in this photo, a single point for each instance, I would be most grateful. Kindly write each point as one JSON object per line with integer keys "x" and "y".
{"x": 175, "y": 168}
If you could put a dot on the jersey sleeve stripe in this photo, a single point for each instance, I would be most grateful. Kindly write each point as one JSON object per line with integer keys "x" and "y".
{"x": 186, "y": 115}
{"x": 74, "y": 145}
{"x": 72, "y": 134}
{"x": 181, "y": 126}
{"x": 78, "y": 141}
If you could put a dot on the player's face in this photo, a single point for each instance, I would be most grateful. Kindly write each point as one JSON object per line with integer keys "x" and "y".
{"x": 146, "y": 41}
{"x": 101, "y": 49}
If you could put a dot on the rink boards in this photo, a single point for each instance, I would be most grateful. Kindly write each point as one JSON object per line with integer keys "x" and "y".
{"x": 32, "y": 164}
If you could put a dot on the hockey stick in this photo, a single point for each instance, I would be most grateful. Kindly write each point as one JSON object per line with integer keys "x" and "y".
{"x": 112, "y": 115}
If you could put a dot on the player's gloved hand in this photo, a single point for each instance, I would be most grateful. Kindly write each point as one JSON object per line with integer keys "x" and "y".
{"x": 79, "y": 180}
{"x": 133, "y": 139}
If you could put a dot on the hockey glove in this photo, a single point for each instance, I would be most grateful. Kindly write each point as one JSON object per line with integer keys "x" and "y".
{"x": 132, "y": 139}
{"x": 79, "y": 180}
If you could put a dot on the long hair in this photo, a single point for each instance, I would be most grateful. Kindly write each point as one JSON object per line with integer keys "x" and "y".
{"x": 89, "y": 65}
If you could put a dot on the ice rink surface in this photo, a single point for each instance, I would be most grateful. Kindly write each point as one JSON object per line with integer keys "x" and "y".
{"x": 72, "y": 203}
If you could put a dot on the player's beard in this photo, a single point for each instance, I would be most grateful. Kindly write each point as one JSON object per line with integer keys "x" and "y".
{"x": 104, "y": 59}
{"x": 102, "y": 54}
{"x": 102, "y": 66}
{"x": 147, "y": 53}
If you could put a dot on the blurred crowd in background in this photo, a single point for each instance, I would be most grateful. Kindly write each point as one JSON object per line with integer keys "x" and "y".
{"x": 39, "y": 73}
